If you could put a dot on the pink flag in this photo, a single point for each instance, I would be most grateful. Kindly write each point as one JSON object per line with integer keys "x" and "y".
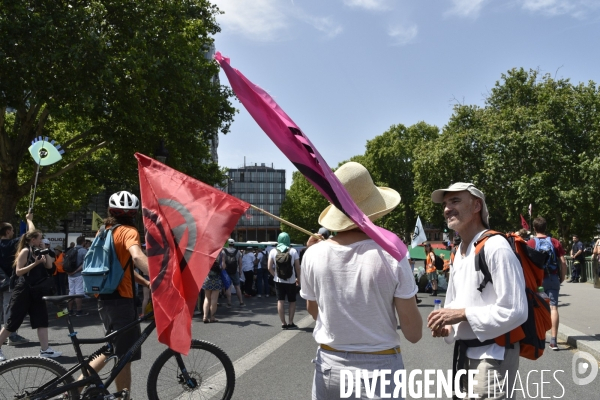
{"x": 299, "y": 150}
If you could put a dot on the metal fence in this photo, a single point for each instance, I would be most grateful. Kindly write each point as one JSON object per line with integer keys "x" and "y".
{"x": 589, "y": 273}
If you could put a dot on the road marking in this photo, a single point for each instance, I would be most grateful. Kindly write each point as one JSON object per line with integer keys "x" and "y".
{"x": 252, "y": 358}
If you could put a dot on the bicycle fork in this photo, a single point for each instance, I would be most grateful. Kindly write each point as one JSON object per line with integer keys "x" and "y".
{"x": 185, "y": 377}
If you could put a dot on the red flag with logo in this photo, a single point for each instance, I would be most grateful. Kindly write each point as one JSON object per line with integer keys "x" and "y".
{"x": 524, "y": 223}
{"x": 186, "y": 223}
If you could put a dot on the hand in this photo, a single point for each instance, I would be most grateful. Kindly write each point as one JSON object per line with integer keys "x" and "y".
{"x": 39, "y": 260}
{"x": 444, "y": 331}
{"x": 437, "y": 320}
{"x": 29, "y": 216}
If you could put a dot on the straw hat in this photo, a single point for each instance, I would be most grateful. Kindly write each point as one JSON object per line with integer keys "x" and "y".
{"x": 374, "y": 202}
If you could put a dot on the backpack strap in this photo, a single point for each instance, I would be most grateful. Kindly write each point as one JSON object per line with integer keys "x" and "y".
{"x": 480, "y": 263}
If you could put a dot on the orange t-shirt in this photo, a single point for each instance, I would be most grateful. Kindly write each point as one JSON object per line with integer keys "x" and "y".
{"x": 59, "y": 263}
{"x": 430, "y": 266}
{"x": 124, "y": 237}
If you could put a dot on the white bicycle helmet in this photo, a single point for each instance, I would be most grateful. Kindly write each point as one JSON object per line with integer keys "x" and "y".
{"x": 123, "y": 203}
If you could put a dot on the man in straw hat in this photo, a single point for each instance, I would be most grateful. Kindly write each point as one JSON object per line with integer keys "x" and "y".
{"x": 357, "y": 292}
{"x": 470, "y": 318}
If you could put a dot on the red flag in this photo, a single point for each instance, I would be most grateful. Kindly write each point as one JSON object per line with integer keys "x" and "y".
{"x": 186, "y": 223}
{"x": 524, "y": 223}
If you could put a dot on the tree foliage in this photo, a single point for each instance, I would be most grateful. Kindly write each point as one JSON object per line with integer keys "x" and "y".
{"x": 302, "y": 206}
{"x": 534, "y": 142}
{"x": 389, "y": 158}
{"x": 105, "y": 78}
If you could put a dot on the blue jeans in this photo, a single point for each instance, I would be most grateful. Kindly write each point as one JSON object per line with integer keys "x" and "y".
{"x": 262, "y": 281}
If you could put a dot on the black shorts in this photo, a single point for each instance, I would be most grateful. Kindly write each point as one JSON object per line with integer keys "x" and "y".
{"x": 283, "y": 289}
{"x": 115, "y": 314}
{"x": 25, "y": 301}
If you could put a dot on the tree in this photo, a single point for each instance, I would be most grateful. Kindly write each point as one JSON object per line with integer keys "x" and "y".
{"x": 389, "y": 158}
{"x": 302, "y": 206}
{"x": 105, "y": 78}
{"x": 534, "y": 142}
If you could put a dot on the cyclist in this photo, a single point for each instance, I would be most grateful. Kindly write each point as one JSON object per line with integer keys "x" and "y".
{"x": 118, "y": 309}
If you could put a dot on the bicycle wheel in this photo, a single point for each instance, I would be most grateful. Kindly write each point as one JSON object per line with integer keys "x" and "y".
{"x": 22, "y": 376}
{"x": 209, "y": 368}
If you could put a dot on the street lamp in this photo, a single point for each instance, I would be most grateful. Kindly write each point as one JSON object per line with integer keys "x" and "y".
{"x": 161, "y": 153}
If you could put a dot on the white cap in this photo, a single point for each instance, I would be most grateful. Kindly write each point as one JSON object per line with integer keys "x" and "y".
{"x": 46, "y": 242}
{"x": 438, "y": 197}
{"x": 230, "y": 241}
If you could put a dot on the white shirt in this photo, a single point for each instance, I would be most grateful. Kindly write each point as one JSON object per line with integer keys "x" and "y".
{"x": 354, "y": 286}
{"x": 295, "y": 256}
{"x": 248, "y": 262}
{"x": 499, "y": 308}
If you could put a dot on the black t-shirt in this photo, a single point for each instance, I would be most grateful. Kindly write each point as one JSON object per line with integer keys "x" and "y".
{"x": 576, "y": 247}
{"x": 8, "y": 248}
{"x": 38, "y": 273}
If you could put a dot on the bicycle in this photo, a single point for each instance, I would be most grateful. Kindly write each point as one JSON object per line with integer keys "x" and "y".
{"x": 206, "y": 373}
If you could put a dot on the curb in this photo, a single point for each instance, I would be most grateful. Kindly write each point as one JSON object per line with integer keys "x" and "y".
{"x": 578, "y": 340}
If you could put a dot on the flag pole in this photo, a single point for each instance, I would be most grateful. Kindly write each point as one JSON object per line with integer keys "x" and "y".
{"x": 284, "y": 221}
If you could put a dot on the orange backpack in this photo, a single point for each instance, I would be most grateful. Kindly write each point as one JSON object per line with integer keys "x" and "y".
{"x": 531, "y": 335}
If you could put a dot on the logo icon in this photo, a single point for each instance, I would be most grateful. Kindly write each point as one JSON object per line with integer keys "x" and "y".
{"x": 584, "y": 363}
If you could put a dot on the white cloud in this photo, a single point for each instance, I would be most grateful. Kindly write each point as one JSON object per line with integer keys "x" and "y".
{"x": 402, "y": 35}
{"x": 324, "y": 24}
{"x": 269, "y": 20}
{"x": 466, "y": 8}
{"x": 376, "y": 5}
{"x": 551, "y": 7}
{"x": 261, "y": 20}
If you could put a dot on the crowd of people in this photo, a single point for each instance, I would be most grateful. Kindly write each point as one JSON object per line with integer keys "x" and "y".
{"x": 354, "y": 289}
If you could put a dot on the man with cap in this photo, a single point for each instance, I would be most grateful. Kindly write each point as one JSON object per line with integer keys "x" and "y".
{"x": 248, "y": 263}
{"x": 357, "y": 292}
{"x": 473, "y": 319}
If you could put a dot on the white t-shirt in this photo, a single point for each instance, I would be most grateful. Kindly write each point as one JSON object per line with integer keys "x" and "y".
{"x": 354, "y": 286}
{"x": 499, "y": 308}
{"x": 248, "y": 262}
{"x": 295, "y": 256}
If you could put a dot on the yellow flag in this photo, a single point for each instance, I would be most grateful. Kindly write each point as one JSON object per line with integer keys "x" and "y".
{"x": 97, "y": 221}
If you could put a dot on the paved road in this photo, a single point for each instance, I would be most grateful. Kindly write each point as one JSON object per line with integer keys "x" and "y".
{"x": 275, "y": 364}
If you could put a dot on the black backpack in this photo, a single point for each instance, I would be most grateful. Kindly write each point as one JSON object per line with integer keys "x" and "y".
{"x": 70, "y": 260}
{"x": 264, "y": 261}
{"x": 216, "y": 267}
{"x": 284, "y": 265}
{"x": 439, "y": 262}
{"x": 231, "y": 262}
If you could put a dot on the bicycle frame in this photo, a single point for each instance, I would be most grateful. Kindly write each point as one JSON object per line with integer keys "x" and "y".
{"x": 90, "y": 376}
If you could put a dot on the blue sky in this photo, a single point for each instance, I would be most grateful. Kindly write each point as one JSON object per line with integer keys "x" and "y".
{"x": 347, "y": 70}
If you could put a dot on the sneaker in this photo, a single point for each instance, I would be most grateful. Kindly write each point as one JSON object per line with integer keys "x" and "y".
{"x": 15, "y": 340}
{"x": 553, "y": 346}
{"x": 2, "y": 358}
{"x": 228, "y": 305}
{"x": 50, "y": 352}
{"x": 266, "y": 295}
{"x": 292, "y": 326}
{"x": 81, "y": 313}
{"x": 258, "y": 295}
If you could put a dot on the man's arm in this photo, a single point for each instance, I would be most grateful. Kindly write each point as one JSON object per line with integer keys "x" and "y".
{"x": 313, "y": 308}
{"x": 29, "y": 218}
{"x": 270, "y": 266}
{"x": 297, "y": 268}
{"x": 141, "y": 280}
{"x": 563, "y": 269}
{"x": 139, "y": 258}
{"x": 411, "y": 322}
